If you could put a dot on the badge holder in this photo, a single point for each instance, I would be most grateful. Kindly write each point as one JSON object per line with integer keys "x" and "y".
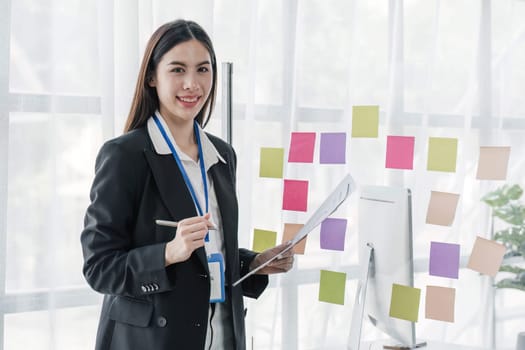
{"x": 216, "y": 267}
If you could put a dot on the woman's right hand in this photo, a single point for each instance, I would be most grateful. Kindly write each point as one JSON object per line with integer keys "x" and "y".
{"x": 189, "y": 236}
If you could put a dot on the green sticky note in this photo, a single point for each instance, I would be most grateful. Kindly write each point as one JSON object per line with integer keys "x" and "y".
{"x": 271, "y": 162}
{"x": 332, "y": 287}
{"x": 263, "y": 240}
{"x": 404, "y": 303}
{"x": 365, "y": 121}
{"x": 442, "y": 154}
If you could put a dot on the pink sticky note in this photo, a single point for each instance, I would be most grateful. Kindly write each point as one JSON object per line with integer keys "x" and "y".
{"x": 302, "y": 147}
{"x": 295, "y": 196}
{"x": 400, "y": 152}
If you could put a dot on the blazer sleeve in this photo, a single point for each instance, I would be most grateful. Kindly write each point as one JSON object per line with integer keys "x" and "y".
{"x": 112, "y": 263}
{"x": 254, "y": 285}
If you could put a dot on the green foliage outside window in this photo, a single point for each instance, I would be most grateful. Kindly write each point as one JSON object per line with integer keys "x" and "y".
{"x": 507, "y": 207}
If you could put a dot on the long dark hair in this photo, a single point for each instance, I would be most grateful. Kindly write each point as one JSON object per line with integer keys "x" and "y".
{"x": 145, "y": 100}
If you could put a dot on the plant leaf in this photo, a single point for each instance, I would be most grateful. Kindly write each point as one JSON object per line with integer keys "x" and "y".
{"x": 510, "y": 268}
{"x": 512, "y": 213}
{"x": 510, "y": 283}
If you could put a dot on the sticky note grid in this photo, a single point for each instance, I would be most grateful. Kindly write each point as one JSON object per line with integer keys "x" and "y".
{"x": 441, "y": 156}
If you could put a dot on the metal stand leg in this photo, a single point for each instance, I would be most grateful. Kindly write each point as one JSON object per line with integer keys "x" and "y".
{"x": 354, "y": 338}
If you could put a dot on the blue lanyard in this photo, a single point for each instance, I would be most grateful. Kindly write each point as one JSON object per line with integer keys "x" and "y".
{"x": 181, "y": 166}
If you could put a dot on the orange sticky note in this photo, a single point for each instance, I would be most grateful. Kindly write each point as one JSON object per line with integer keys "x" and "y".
{"x": 440, "y": 303}
{"x": 486, "y": 256}
{"x": 295, "y": 196}
{"x": 289, "y": 232}
{"x": 442, "y": 208}
{"x": 493, "y": 163}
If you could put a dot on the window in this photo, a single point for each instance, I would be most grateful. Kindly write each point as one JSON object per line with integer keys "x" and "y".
{"x": 436, "y": 68}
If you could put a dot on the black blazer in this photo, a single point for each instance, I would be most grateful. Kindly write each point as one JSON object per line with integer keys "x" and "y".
{"x": 147, "y": 305}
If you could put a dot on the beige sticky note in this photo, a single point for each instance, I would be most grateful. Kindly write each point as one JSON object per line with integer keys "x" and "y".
{"x": 442, "y": 208}
{"x": 493, "y": 163}
{"x": 440, "y": 302}
{"x": 486, "y": 256}
{"x": 289, "y": 232}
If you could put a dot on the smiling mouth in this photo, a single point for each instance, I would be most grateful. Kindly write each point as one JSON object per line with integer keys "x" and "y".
{"x": 188, "y": 99}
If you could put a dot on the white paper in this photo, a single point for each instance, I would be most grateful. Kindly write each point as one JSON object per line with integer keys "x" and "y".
{"x": 331, "y": 203}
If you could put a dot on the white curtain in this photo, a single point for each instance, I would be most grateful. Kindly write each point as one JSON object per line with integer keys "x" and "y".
{"x": 436, "y": 68}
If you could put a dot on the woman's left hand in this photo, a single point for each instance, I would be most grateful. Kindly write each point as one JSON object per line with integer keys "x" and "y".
{"x": 283, "y": 263}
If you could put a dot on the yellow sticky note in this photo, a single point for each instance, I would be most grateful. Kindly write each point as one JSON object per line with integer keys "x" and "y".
{"x": 493, "y": 163}
{"x": 440, "y": 303}
{"x": 332, "y": 287}
{"x": 271, "y": 164}
{"x": 486, "y": 256}
{"x": 263, "y": 240}
{"x": 365, "y": 121}
{"x": 404, "y": 303}
{"x": 442, "y": 208}
{"x": 442, "y": 154}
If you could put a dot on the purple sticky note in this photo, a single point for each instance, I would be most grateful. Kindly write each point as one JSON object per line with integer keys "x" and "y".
{"x": 444, "y": 259}
{"x": 333, "y": 148}
{"x": 302, "y": 147}
{"x": 295, "y": 195}
{"x": 333, "y": 234}
{"x": 400, "y": 152}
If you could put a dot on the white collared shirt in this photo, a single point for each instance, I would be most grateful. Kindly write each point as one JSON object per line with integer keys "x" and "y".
{"x": 221, "y": 321}
{"x": 211, "y": 156}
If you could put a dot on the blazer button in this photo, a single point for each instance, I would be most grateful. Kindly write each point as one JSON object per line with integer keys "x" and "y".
{"x": 197, "y": 324}
{"x": 161, "y": 321}
{"x": 144, "y": 289}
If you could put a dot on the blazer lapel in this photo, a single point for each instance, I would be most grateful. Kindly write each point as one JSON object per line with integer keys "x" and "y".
{"x": 173, "y": 191}
{"x": 227, "y": 201}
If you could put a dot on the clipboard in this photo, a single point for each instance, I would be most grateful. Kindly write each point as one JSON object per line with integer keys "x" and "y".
{"x": 330, "y": 204}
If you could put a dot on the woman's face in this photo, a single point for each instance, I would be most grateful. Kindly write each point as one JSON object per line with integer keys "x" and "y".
{"x": 183, "y": 80}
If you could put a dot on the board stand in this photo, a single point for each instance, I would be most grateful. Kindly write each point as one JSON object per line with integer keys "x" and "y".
{"x": 354, "y": 338}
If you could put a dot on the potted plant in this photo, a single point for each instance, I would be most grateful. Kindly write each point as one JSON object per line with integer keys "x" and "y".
{"x": 507, "y": 207}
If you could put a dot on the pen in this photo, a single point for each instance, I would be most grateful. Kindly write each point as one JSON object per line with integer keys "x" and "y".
{"x": 174, "y": 224}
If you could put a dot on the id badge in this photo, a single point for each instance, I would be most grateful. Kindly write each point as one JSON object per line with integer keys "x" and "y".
{"x": 216, "y": 267}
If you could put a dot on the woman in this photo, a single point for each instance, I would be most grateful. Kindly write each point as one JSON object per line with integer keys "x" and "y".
{"x": 166, "y": 287}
